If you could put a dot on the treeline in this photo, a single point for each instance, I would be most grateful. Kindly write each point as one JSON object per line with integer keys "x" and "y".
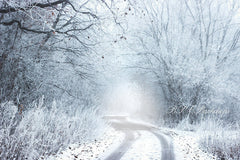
{"x": 191, "y": 49}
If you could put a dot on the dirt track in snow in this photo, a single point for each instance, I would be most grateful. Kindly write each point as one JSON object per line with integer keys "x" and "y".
{"x": 131, "y": 130}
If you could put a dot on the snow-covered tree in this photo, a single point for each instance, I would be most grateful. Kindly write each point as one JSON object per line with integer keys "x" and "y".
{"x": 192, "y": 49}
{"x": 47, "y": 46}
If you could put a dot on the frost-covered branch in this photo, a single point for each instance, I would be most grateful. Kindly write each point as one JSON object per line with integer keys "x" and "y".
{"x": 10, "y": 9}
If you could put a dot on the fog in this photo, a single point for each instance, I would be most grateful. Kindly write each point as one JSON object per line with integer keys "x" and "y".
{"x": 83, "y": 60}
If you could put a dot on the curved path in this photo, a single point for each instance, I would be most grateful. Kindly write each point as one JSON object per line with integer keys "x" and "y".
{"x": 123, "y": 148}
{"x": 167, "y": 148}
{"x": 130, "y": 129}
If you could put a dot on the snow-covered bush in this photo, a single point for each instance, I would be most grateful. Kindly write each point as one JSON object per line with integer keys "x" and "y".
{"x": 43, "y": 131}
{"x": 185, "y": 125}
{"x": 219, "y": 139}
{"x": 223, "y": 144}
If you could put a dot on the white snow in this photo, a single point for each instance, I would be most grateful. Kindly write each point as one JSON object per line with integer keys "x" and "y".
{"x": 146, "y": 147}
{"x": 186, "y": 145}
{"x": 92, "y": 150}
{"x": 138, "y": 121}
{"x": 127, "y": 118}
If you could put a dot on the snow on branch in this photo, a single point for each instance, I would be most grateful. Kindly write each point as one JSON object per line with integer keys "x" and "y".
{"x": 41, "y": 5}
{"x": 22, "y": 27}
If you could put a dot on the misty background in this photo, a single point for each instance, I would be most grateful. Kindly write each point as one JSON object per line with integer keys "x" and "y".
{"x": 66, "y": 63}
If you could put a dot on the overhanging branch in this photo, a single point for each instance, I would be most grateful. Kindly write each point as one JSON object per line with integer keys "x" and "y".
{"x": 40, "y": 5}
{"x": 22, "y": 27}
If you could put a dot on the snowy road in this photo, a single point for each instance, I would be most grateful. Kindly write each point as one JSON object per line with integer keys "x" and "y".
{"x": 142, "y": 141}
{"x": 135, "y": 140}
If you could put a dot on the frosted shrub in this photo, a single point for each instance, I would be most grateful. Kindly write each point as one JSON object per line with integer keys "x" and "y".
{"x": 224, "y": 146}
{"x": 219, "y": 139}
{"x": 44, "y": 131}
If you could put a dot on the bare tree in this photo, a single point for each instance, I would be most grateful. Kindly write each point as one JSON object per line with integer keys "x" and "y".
{"x": 187, "y": 45}
{"x": 34, "y": 32}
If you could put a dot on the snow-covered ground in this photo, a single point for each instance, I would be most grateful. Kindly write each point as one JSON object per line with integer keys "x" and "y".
{"x": 147, "y": 146}
{"x": 92, "y": 150}
{"x": 186, "y": 145}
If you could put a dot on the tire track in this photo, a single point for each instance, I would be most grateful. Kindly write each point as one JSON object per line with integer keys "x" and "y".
{"x": 123, "y": 148}
{"x": 167, "y": 147}
{"x": 129, "y": 128}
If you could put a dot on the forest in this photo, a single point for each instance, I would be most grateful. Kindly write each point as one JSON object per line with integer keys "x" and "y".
{"x": 65, "y": 64}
